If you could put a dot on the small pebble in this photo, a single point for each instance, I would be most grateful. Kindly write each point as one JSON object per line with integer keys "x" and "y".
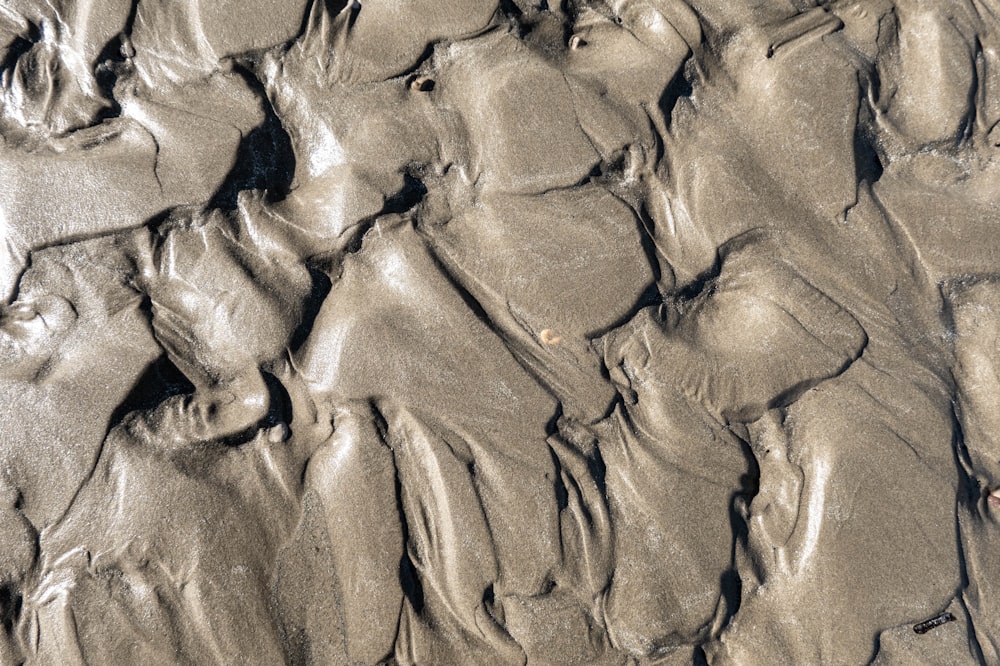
{"x": 994, "y": 499}
{"x": 422, "y": 83}
{"x": 549, "y": 337}
{"x": 279, "y": 433}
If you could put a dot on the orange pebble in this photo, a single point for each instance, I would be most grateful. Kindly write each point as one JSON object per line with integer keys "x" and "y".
{"x": 549, "y": 337}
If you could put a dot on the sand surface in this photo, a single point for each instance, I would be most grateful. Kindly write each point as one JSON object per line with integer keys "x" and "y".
{"x": 497, "y": 332}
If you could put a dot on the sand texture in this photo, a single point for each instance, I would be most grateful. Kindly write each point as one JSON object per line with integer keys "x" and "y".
{"x": 458, "y": 332}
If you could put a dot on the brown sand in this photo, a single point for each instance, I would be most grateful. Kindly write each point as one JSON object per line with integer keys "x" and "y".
{"x": 500, "y": 332}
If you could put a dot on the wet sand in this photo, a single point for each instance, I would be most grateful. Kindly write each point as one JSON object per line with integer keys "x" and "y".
{"x": 521, "y": 332}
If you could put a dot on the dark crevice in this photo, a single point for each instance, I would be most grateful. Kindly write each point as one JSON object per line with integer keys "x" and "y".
{"x": 524, "y": 19}
{"x": 973, "y": 639}
{"x": 421, "y": 60}
{"x": 730, "y": 582}
{"x": 111, "y": 64}
{"x": 407, "y": 198}
{"x": 265, "y": 159}
{"x": 969, "y": 489}
{"x": 159, "y": 381}
{"x": 19, "y": 47}
{"x": 321, "y": 285}
{"x": 510, "y": 9}
{"x": 680, "y": 87}
{"x": 868, "y": 166}
{"x": 329, "y": 262}
{"x": 409, "y": 579}
{"x": 650, "y": 296}
{"x": 598, "y": 470}
{"x": 313, "y": 11}
{"x": 10, "y": 606}
{"x": 561, "y": 492}
{"x": 967, "y": 498}
{"x": 281, "y": 403}
{"x": 489, "y": 602}
{"x": 381, "y": 426}
{"x": 875, "y": 83}
{"x": 976, "y": 93}
{"x": 357, "y": 235}
{"x": 474, "y": 306}
{"x": 552, "y": 426}
{"x": 870, "y": 157}
{"x": 595, "y": 174}
{"x": 612, "y": 178}
{"x": 702, "y": 284}
{"x": 790, "y": 395}
{"x": 545, "y": 33}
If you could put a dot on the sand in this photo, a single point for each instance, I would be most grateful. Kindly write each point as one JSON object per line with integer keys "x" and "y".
{"x": 500, "y": 332}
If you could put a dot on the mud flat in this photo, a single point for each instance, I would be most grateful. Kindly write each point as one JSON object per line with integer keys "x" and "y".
{"x": 500, "y": 332}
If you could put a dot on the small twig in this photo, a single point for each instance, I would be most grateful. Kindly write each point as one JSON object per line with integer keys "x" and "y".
{"x": 927, "y": 625}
